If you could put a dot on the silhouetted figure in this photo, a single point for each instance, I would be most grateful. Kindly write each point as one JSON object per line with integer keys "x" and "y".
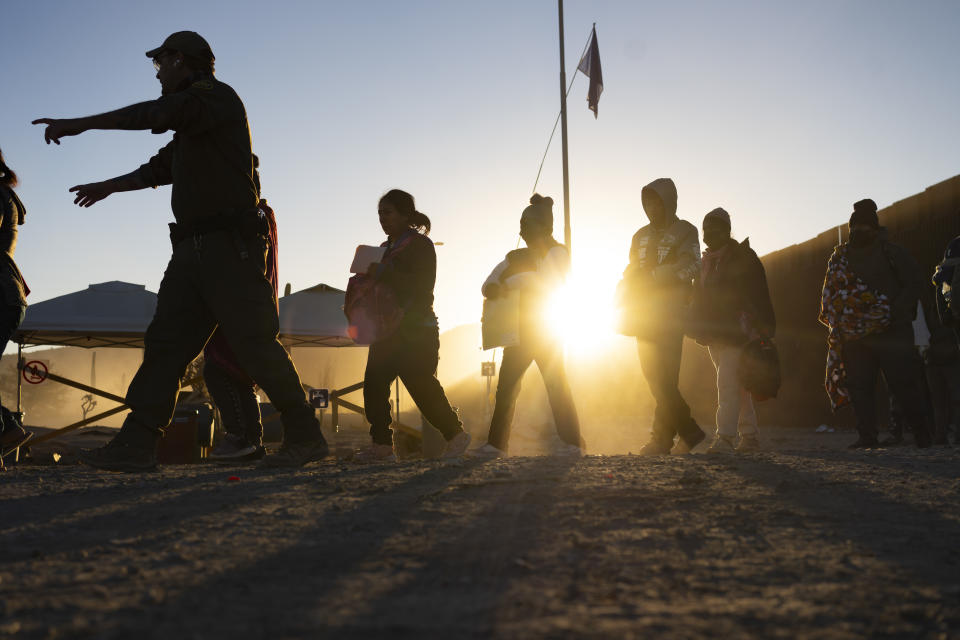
{"x": 942, "y": 361}
{"x": 13, "y": 293}
{"x": 231, "y": 388}
{"x": 535, "y": 272}
{"x": 731, "y": 307}
{"x": 408, "y": 346}
{"x": 654, "y": 297}
{"x": 869, "y": 302}
{"x": 216, "y": 275}
{"x": 946, "y": 279}
{"x": 943, "y": 357}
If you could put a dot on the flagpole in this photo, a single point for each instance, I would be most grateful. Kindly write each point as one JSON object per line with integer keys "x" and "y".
{"x": 563, "y": 136}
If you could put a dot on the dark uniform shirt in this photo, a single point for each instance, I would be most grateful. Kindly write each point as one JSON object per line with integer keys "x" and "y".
{"x": 209, "y": 161}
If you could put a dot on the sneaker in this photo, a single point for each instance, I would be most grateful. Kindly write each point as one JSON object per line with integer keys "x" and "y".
{"x": 296, "y": 454}
{"x": 235, "y": 448}
{"x": 486, "y": 452}
{"x": 13, "y": 438}
{"x": 748, "y": 443}
{"x": 655, "y": 448}
{"x": 685, "y": 445}
{"x": 569, "y": 451}
{"x": 374, "y": 453}
{"x": 864, "y": 443}
{"x": 722, "y": 444}
{"x": 117, "y": 456}
{"x": 457, "y": 445}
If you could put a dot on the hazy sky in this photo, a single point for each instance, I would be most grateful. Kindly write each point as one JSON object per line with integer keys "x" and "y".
{"x": 784, "y": 113}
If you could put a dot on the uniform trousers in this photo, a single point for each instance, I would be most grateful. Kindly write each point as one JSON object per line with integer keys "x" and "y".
{"x": 216, "y": 279}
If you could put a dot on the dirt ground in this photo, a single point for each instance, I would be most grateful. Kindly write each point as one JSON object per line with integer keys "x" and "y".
{"x": 803, "y": 540}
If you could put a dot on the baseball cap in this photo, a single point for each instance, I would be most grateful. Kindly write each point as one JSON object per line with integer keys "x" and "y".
{"x": 189, "y": 43}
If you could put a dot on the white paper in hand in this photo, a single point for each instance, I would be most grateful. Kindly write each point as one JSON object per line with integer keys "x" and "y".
{"x": 365, "y": 256}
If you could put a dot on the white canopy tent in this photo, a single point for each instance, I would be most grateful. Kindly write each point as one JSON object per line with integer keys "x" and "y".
{"x": 314, "y": 318}
{"x": 109, "y": 314}
{"x": 116, "y": 314}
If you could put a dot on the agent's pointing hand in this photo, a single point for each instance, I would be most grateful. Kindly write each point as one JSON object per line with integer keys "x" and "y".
{"x": 60, "y": 128}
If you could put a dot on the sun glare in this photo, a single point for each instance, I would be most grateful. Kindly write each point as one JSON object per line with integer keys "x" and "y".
{"x": 582, "y": 312}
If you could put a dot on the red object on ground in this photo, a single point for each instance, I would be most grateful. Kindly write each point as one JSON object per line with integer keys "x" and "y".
{"x": 233, "y": 479}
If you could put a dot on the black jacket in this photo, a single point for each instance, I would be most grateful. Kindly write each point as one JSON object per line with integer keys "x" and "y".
{"x": 735, "y": 285}
{"x": 410, "y": 269}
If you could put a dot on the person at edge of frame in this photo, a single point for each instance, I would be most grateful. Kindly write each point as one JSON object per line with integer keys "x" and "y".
{"x": 411, "y": 352}
{"x": 232, "y": 390}
{"x": 869, "y": 302}
{"x": 536, "y": 272}
{"x": 654, "y": 298}
{"x": 731, "y": 306}
{"x": 943, "y": 356}
{"x": 13, "y": 294}
{"x": 216, "y": 274}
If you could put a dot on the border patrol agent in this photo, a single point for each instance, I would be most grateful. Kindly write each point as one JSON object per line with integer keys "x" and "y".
{"x": 216, "y": 273}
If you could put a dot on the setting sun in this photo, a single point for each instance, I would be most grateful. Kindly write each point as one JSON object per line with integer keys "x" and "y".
{"x": 582, "y": 312}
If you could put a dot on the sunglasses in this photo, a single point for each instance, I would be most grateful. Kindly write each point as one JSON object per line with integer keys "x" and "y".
{"x": 159, "y": 60}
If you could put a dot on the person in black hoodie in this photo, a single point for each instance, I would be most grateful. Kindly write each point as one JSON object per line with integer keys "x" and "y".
{"x": 731, "y": 305}
{"x": 13, "y": 293}
{"x": 411, "y": 352}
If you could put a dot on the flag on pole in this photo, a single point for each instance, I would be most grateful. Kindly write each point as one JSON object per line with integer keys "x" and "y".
{"x": 590, "y": 66}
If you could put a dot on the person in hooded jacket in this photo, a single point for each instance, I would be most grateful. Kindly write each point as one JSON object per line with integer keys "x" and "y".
{"x": 536, "y": 272}
{"x": 13, "y": 294}
{"x": 731, "y": 306}
{"x": 654, "y": 298}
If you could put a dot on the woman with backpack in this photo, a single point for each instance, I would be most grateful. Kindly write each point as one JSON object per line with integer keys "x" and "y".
{"x": 535, "y": 272}
{"x": 399, "y": 291}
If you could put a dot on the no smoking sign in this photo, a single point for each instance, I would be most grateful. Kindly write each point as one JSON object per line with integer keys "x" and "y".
{"x": 35, "y": 371}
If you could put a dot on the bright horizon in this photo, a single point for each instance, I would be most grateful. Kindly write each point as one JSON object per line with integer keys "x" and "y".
{"x": 782, "y": 114}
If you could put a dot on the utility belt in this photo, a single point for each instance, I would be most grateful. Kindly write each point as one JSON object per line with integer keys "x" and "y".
{"x": 244, "y": 225}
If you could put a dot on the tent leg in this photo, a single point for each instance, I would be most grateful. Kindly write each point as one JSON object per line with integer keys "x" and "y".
{"x": 19, "y": 376}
